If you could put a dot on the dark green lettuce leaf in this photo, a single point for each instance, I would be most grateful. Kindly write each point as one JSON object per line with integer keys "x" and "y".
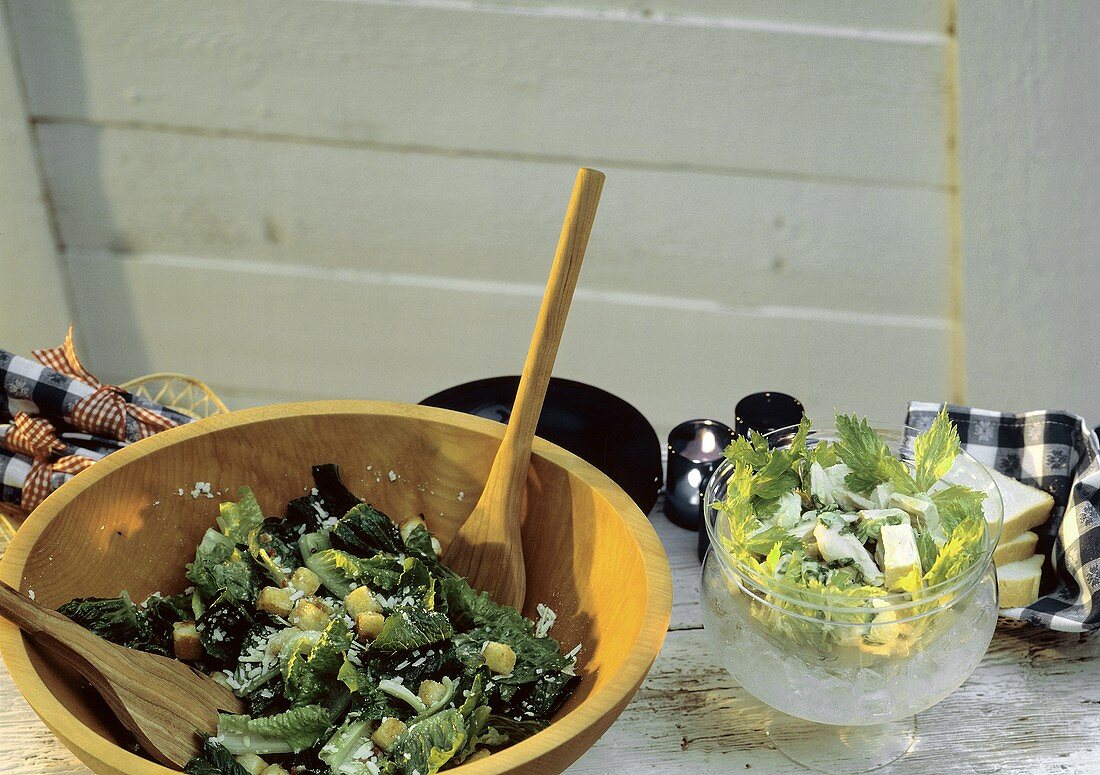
{"x": 415, "y": 586}
{"x": 214, "y": 760}
{"x": 116, "y": 619}
{"x": 307, "y": 677}
{"x": 220, "y": 567}
{"x": 410, "y": 627}
{"x": 365, "y": 531}
{"x": 419, "y": 543}
{"x": 337, "y": 499}
{"x": 222, "y": 629}
{"x": 147, "y": 627}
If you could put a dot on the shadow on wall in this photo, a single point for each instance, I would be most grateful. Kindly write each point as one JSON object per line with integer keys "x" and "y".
{"x": 118, "y": 325}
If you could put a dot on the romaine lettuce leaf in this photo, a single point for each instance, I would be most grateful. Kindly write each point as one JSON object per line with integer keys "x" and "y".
{"x": 289, "y": 732}
{"x": 220, "y": 567}
{"x": 214, "y": 760}
{"x": 419, "y": 543}
{"x": 430, "y": 743}
{"x": 410, "y": 627}
{"x": 307, "y": 675}
{"x": 116, "y": 619}
{"x": 239, "y": 519}
{"x": 338, "y": 570}
{"x": 340, "y": 750}
{"x": 337, "y": 499}
{"x": 223, "y": 627}
{"x": 365, "y": 531}
{"x": 416, "y": 585}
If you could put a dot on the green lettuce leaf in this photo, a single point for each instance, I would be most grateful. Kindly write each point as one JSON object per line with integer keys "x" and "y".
{"x": 308, "y": 675}
{"x": 338, "y": 753}
{"x": 338, "y": 570}
{"x": 410, "y": 627}
{"x": 336, "y": 499}
{"x": 239, "y": 519}
{"x": 430, "y": 743}
{"x": 223, "y": 627}
{"x": 116, "y": 619}
{"x": 416, "y": 584}
{"x": 288, "y": 732}
{"x": 962, "y": 550}
{"x": 214, "y": 760}
{"x": 365, "y": 531}
{"x": 419, "y": 543}
{"x": 221, "y": 568}
{"x": 957, "y": 504}
{"x": 860, "y": 448}
{"x": 935, "y": 450}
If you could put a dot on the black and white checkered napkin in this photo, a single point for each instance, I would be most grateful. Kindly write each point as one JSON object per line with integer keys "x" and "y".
{"x": 1056, "y": 452}
{"x": 33, "y": 389}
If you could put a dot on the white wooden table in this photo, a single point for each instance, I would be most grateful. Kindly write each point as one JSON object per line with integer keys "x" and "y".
{"x": 1032, "y": 706}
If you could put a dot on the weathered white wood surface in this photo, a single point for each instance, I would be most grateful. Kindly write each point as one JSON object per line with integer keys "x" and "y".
{"x": 38, "y": 307}
{"x": 709, "y": 92}
{"x": 320, "y": 198}
{"x": 1029, "y": 120}
{"x": 403, "y": 337}
{"x": 1032, "y": 706}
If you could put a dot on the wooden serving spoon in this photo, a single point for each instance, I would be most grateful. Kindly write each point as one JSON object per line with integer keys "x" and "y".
{"x": 166, "y": 704}
{"x": 487, "y": 549}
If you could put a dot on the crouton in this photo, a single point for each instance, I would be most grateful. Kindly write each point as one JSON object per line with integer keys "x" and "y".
{"x": 368, "y": 625}
{"x": 186, "y": 644}
{"x": 499, "y": 657}
{"x": 387, "y": 733}
{"x": 305, "y": 580}
{"x": 431, "y": 692}
{"x": 361, "y": 600}
{"x": 275, "y": 601}
{"x": 309, "y": 616}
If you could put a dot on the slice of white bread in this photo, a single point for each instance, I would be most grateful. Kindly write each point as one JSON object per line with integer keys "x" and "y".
{"x": 1019, "y": 548}
{"x": 1025, "y": 507}
{"x": 1018, "y": 582}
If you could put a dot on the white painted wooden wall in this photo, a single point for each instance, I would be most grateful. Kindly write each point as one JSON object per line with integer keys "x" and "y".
{"x": 323, "y": 198}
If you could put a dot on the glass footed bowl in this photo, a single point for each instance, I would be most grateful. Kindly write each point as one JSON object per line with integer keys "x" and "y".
{"x": 841, "y": 660}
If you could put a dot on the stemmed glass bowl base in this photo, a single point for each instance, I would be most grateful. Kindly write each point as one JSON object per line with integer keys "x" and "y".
{"x": 841, "y": 750}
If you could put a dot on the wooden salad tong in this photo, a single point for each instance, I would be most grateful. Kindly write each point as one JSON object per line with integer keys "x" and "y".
{"x": 488, "y": 549}
{"x": 166, "y": 704}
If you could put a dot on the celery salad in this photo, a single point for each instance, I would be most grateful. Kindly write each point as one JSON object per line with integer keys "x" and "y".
{"x": 840, "y": 525}
{"x": 356, "y": 650}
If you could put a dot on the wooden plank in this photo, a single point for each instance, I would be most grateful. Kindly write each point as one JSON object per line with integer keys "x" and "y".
{"x": 681, "y": 234}
{"x": 493, "y": 79}
{"x": 340, "y": 333}
{"x": 35, "y": 309}
{"x": 837, "y": 16}
{"x": 1030, "y": 116}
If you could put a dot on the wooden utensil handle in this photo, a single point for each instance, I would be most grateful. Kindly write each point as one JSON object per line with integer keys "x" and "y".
{"x": 575, "y": 230}
{"x": 35, "y": 619}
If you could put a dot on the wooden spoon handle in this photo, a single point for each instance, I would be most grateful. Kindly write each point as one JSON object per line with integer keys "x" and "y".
{"x": 34, "y": 618}
{"x": 511, "y": 462}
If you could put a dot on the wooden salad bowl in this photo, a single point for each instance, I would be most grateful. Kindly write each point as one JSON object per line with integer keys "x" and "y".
{"x": 592, "y": 556}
